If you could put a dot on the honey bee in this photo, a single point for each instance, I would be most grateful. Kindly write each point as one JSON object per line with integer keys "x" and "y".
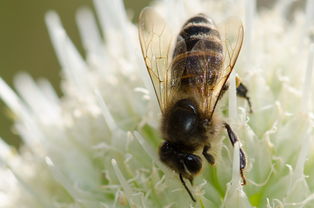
{"x": 189, "y": 76}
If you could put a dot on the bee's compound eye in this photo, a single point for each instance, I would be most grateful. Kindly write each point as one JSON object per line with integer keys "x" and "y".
{"x": 193, "y": 163}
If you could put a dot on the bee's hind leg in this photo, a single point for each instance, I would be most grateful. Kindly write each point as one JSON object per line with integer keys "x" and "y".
{"x": 210, "y": 159}
{"x": 233, "y": 138}
{"x": 242, "y": 92}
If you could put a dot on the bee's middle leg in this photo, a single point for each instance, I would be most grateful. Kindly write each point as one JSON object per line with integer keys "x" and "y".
{"x": 210, "y": 159}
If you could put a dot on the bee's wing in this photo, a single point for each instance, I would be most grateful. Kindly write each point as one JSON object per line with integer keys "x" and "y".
{"x": 231, "y": 32}
{"x": 156, "y": 43}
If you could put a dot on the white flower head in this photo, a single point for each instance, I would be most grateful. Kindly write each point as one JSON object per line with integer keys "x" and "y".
{"x": 97, "y": 145}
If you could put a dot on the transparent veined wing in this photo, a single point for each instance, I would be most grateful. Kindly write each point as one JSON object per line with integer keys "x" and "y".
{"x": 232, "y": 33}
{"x": 157, "y": 45}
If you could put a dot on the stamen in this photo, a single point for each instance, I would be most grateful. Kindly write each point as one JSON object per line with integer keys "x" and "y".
{"x": 89, "y": 32}
{"x": 308, "y": 81}
{"x": 250, "y": 10}
{"x": 127, "y": 189}
{"x": 105, "y": 112}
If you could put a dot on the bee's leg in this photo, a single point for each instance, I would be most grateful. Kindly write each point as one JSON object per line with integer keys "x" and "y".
{"x": 242, "y": 92}
{"x": 210, "y": 159}
{"x": 233, "y": 138}
{"x": 186, "y": 188}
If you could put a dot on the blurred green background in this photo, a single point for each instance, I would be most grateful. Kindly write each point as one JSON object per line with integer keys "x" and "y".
{"x": 25, "y": 44}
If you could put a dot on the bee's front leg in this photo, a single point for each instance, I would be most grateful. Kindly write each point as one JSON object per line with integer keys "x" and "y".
{"x": 233, "y": 138}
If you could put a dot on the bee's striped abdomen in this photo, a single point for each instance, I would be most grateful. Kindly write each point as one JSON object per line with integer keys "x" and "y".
{"x": 198, "y": 54}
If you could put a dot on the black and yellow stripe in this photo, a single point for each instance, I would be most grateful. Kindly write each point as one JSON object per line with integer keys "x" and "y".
{"x": 198, "y": 54}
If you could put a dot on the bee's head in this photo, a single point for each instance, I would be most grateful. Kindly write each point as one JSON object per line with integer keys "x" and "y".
{"x": 184, "y": 163}
{"x": 187, "y": 165}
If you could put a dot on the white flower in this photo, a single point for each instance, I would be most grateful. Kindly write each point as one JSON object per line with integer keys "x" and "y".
{"x": 97, "y": 145}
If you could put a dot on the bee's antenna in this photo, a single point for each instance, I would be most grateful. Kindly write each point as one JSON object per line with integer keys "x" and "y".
{"x": 186, "y": 188}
